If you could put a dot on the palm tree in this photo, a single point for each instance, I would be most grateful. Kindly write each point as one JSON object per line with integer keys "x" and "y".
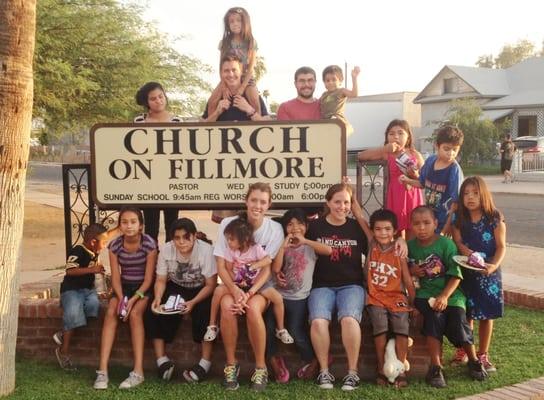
{"x": 17, "y": 33}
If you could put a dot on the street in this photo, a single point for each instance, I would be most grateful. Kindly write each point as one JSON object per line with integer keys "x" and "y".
{"x": 523, "y": 216}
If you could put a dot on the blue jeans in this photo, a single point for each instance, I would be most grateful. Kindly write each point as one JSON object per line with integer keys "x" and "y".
{"x": 77, "y": 306}
{"x": 348, "y": 301}
{"x": 296, "y": 322}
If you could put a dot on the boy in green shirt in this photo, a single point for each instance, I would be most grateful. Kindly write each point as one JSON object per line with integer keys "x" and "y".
{"x": 439, "y": 298}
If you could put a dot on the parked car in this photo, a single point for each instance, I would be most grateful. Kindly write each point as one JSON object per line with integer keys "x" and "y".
{"x": 532, "y": 148}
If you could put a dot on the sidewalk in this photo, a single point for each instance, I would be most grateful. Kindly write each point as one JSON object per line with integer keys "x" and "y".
{"x": 494, "y": 182}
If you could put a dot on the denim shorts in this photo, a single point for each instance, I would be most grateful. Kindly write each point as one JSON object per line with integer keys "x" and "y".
{"x": 347, "y": 301}
{"x": 77, "y": 306}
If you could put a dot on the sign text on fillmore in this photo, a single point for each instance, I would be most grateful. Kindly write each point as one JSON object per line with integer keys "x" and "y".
{"x": 210, "y": 165}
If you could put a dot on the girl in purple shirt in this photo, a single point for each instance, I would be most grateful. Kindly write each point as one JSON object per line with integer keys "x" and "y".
{"x": 133, "y": 256}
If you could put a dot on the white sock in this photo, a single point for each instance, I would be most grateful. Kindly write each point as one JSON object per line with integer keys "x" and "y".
{"x": 162, "y": 360}
{"x": 205, "y": 364}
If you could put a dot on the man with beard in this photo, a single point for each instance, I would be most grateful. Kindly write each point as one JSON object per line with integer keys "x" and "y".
{"x": 304, "y": 106}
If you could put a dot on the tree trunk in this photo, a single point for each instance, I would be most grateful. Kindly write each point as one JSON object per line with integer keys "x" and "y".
{"x": 17, "y": 32}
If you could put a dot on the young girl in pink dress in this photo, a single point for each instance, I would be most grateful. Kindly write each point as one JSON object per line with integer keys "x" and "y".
{"x": 402, "y": 159}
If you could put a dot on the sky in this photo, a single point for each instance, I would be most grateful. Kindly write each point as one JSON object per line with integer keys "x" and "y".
{"x": 399, "y": 45}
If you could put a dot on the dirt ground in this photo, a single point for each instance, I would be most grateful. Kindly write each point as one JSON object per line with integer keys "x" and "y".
{"x": 43, "y": 238}
{"x": 43, "y": 242}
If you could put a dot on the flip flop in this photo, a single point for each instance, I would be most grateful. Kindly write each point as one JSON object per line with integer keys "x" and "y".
{"x": 381, "y": 379}
{"x": 283, "y": 375}
{"x": 401, "y": 381}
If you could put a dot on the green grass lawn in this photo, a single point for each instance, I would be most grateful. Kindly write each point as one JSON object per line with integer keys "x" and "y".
{"x": 517, "y": 350}
{"x": 481, "y": 170}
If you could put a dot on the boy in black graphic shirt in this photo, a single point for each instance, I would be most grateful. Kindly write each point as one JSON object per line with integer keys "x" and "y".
{"x": 78, "y": 297}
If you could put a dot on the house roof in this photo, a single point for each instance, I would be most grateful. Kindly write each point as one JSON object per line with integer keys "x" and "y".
{"x": 494, "y": 115}
{"x": 396, "y": 96}
{"x": 520, "y": 85}
{"x": 525, "y": 98}
{"x": 486, "y": 81}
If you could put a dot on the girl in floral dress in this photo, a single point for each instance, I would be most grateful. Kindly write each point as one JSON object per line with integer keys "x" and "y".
{"x": 480, "y": 227}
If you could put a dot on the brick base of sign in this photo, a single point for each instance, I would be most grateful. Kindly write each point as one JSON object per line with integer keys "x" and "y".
{"x": 40, "y": 318}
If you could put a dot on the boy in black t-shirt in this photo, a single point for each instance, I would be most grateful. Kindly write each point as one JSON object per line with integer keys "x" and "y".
{"x": 78, "y": 297}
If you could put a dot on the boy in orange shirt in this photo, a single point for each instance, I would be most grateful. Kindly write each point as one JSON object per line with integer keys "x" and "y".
{"x": 388, "y": 279}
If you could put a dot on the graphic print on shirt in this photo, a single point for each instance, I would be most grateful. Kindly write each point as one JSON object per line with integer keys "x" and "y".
{"x": 432, "y": 265}
{"x": 434, "y": 193}
{"x": 244, "y": 276}
{"x": 295, "y": 273}
{"x": 381, "y": 273}
{"x": 340, "y": 247}
{"x": 186, "y": 272}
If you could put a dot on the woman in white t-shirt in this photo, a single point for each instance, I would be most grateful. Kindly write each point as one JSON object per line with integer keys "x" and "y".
{"x": 186, "y": 266}
{"x": 268, "y": 234}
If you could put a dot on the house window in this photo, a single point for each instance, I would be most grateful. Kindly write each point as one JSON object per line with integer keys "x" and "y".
{"x": 527, "y": 125}
{"x": 451, "y": 85}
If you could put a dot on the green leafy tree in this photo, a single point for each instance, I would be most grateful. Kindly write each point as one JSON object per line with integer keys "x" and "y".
{"x": 481, "y": 134}
{"x": 260, "y": 68}
{"x": 509, "y": 55}
{"x": 274, "y": 107}
{"x": 485, "y": 61}
{"x": 92, "y": 56}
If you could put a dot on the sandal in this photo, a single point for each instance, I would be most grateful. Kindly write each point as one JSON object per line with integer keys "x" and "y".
{"x": 280, "y": 370}
{"x": 381, "y": 380}
{"x": 401, "y": 381}
{"x": 308, "y": 371}
{"x": 211, "y": 333}
{"x": 195, "y": 374}
{"x": 284, "y": 336}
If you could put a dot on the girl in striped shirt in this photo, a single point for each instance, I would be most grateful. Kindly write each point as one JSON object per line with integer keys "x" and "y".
{"x": 133, "y": 256}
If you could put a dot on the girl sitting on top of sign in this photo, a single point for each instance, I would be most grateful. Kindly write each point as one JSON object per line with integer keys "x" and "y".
{"x": 238, "y": 40}
{"x": 152, "y": 97}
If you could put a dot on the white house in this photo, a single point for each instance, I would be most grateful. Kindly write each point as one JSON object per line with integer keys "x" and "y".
{"x": 370, "y": 115}
{"x": 516, "y": 92}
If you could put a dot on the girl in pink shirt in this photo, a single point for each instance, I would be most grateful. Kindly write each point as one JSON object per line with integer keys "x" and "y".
{"x": 246, "y": 262}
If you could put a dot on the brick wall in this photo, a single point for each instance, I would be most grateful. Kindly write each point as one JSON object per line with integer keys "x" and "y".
{"x": 524, "y": 298}
{"x": 40, "y": 318}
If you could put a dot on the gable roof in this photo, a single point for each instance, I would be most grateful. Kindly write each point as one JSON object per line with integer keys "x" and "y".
{"x": 486, "y": 81}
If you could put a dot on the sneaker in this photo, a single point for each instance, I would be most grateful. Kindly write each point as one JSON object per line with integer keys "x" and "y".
{"x": 435, "y": 377}
{"x": 64, "y": 361}
{"x": 166, "y": 370}
{"x": 57, "y": 337}
{"x": 133, "y": 380}
{"x": 284, "y": 336}
{"x": 325, "y": 380}
{"x": 350, "y": 382}
{"x": 231, "y": 377}
{"x": 259, "y": 379}
{"x": 101, "y": 381}
{"x": 460, "y": 357}
{"x": 488, "y": 366}
{"x": 476, "y": 370}
{"x": 211, "y": 333}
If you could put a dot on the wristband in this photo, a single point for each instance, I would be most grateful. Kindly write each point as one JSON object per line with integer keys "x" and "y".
{"x": 139, "y": 294}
